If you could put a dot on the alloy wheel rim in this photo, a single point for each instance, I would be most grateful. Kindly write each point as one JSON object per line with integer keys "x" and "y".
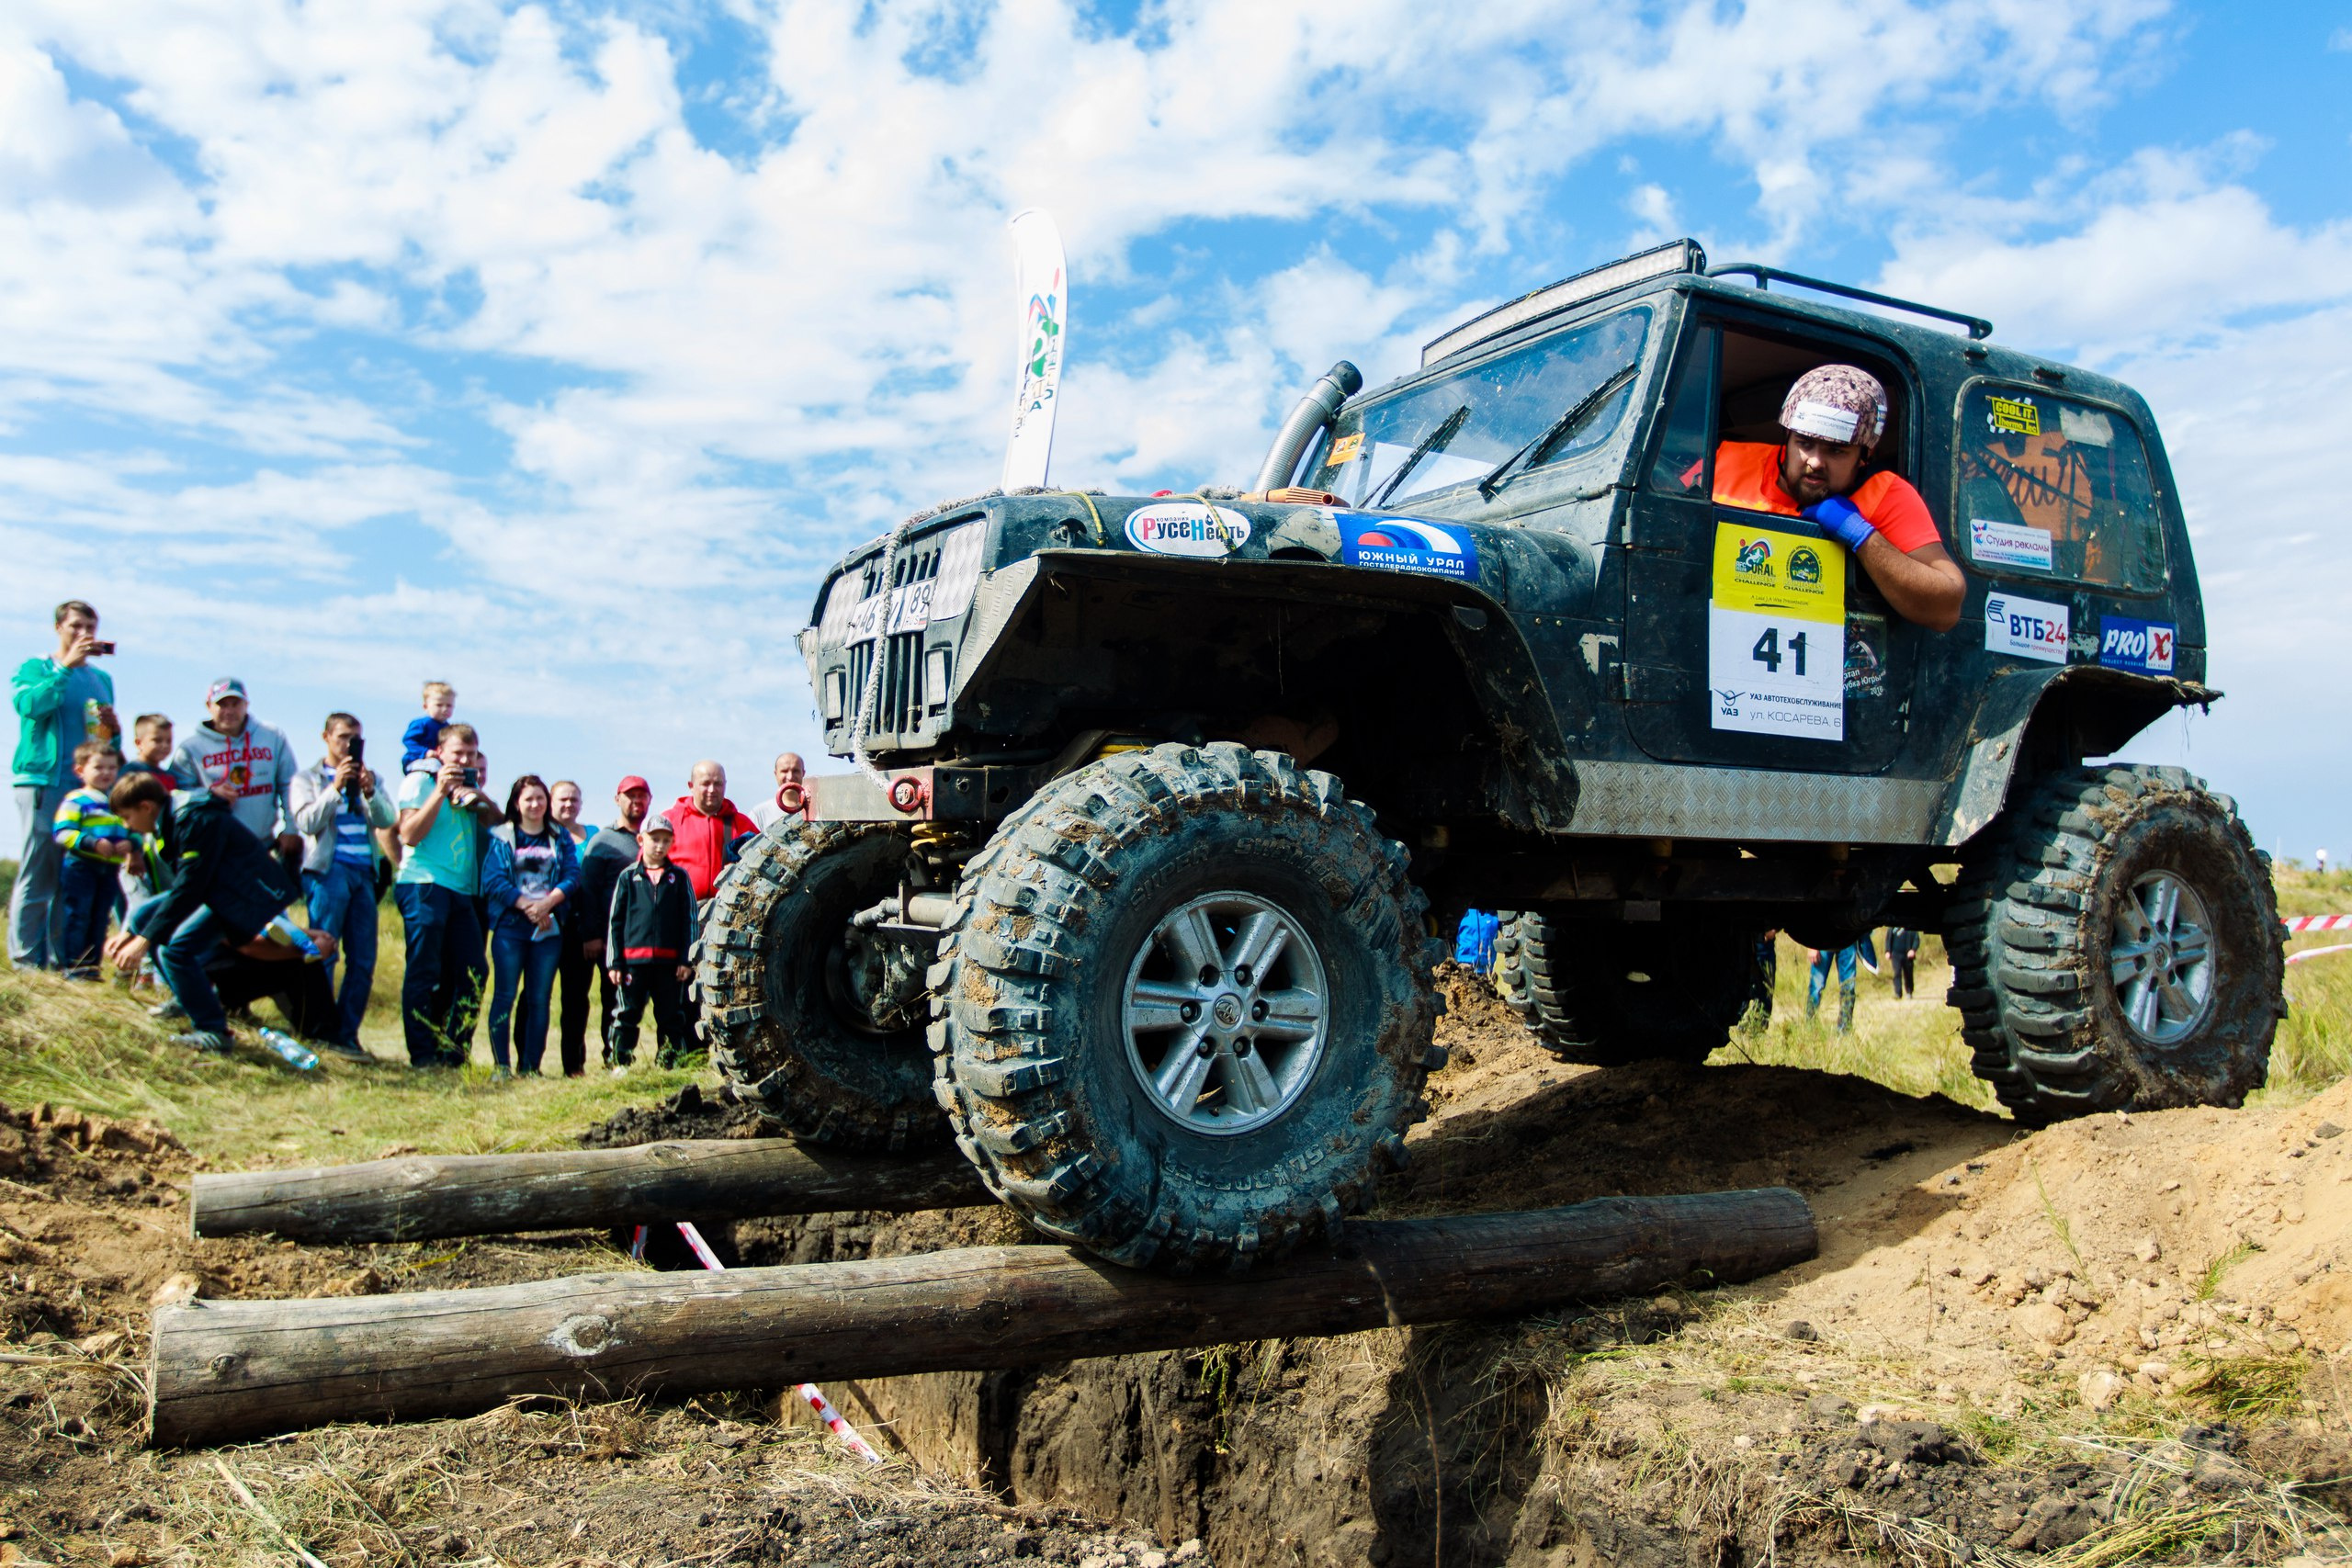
{"x": 1227, "y": 1012}
{"x": 2159, "y": 958}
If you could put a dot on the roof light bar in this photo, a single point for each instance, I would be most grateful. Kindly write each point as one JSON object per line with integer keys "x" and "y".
{"x": 1678, "y": 255}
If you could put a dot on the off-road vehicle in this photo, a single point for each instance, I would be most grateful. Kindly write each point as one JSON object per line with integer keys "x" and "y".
{"x": 1161, "y": 800}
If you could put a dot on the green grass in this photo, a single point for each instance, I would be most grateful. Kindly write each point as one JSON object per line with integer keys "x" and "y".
{"x": 93, "y": 1047}
{"x": 1912, "y": 1046}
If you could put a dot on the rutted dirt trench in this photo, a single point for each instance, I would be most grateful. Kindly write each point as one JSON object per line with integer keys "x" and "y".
{"x": 1976, "y": 1288}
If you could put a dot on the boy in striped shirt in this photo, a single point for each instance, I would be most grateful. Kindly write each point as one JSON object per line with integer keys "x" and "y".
{"x": 97, "y": 847}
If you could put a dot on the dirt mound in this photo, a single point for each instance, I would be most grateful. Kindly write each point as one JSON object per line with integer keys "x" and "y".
{"x": 686, "y": 1114}
{"x": 1910, "y": 1392}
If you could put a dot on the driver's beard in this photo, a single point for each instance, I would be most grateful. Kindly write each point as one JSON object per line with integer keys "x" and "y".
{"x": 1790, "y": 482}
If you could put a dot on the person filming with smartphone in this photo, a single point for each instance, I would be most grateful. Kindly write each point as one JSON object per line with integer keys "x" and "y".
{"x": 441, "y": 817}
{"x": 62, "y": 701}
{"x": 337, "y": 808}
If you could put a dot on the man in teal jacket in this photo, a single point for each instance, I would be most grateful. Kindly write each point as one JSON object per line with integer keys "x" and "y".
{"x": 61, "y": 702}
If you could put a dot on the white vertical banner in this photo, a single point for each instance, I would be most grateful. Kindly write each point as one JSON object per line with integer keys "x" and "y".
{"x": 1042, "y": 279}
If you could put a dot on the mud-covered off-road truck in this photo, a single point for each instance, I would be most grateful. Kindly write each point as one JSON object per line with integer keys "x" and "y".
{"x": 1160, "y": 801}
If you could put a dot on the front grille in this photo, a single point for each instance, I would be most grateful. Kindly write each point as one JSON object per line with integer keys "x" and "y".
{"x": 898, "y": 706}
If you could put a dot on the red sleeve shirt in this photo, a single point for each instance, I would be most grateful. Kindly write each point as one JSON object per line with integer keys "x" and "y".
{"x": 1747, "y": 475}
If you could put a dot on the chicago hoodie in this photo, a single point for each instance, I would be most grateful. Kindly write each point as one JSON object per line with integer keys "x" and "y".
{"x": 258, "y": 765}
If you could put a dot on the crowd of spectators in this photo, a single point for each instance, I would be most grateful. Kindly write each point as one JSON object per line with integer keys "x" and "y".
{"x": 192, "y": 852}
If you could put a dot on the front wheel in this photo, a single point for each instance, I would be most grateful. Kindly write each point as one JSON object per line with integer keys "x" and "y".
{"x": 2116, "y": 945}
{"x": 1182, "y": 1010}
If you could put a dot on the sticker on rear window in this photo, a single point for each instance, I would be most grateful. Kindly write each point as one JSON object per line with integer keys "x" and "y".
{"x": 2009, "y": 544}
{"x": 2029, "y": 628}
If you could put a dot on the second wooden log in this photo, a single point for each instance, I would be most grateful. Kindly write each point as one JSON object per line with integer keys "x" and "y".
{"x": 417, "y": 1197}
{"x": 231, "y": 1369}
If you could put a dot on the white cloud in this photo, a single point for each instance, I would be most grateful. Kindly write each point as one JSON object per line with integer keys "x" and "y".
{"x": 689, "y": 375}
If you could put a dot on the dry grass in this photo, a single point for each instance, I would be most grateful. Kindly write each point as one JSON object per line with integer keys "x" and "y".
{"x": 93, "y": 1047}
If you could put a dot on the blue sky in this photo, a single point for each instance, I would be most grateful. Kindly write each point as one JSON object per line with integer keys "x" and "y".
{"x": 554, "y": 350}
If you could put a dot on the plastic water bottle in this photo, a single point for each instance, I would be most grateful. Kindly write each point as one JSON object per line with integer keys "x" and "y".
{"x": 286, "y": 933}
{"x": 293, "y": 1050}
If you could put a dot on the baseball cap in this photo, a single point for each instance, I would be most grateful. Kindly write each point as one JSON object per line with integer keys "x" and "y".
{"x": 659, "y": 824}
{"x": 227, "y": 686}
{"x": 631, "y": 783}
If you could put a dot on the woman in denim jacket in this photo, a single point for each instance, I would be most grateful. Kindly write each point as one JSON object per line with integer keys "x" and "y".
{"x": 530, "y": 874}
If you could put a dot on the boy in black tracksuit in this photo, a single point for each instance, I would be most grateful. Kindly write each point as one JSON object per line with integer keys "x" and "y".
{"x": 645, "y": 949}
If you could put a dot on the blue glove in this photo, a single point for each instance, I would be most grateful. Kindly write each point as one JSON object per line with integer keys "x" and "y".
{"x": 1843, "y": 522}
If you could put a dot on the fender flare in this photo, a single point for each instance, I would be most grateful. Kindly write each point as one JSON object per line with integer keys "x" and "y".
{"x": 2084, "y": 709}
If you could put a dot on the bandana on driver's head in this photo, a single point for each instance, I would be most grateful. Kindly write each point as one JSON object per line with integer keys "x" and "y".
{"x": 1835, "y": 403}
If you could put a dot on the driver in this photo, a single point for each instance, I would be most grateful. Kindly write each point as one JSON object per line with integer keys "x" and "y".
{"x": 1834, "y": 415}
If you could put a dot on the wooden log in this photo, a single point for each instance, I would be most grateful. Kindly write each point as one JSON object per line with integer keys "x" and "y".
{"x": 418, "y": 1196}
{"x": 225, "y": 1370}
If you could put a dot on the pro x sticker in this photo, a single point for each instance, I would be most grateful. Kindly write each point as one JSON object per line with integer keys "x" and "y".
{"x": 2029, "y": 628}
{"x": 1406, "y": 544}
{"x": 2144, "y": 645}
{"x": 1187, "y": 528}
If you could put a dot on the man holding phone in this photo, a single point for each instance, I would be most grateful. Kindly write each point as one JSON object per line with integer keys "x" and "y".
{"x": 337, "y": 808}
{"x": 442, "y": 816}
{"x": 61, "y": 700}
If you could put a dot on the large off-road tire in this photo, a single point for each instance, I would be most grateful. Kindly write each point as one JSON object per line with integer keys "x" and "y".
{"x": 794, "y": 1023}
{"x": 2116, "y": 945}
{"x": 1605, "y": 995}
{"x": 1125, "y": 894}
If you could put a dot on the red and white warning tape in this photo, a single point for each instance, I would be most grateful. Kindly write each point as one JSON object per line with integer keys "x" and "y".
{"x": 2295, "y": 923}
{"x": 832, "y": 1418}
{"x": 2319, "y": 951}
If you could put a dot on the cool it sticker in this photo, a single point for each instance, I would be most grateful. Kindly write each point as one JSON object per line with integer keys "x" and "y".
{"x": 2029, "y": 628}
{"x": 2009, "y": 544}
{"x": 1406, "y": 544}
{"x": 1187, "y": 528}
{"x": 2144, "y": 645}
{"x": 1776, "y": 634}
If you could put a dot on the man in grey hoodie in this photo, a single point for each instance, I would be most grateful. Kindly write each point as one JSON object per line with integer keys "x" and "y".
{"x": 247, "y": 765}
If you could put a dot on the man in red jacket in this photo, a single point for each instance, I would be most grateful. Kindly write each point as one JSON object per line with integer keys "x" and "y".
{"x": 705, "y": 822}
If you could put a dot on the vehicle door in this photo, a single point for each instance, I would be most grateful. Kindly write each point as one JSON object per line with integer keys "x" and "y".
{"x": 1752, "y": 639}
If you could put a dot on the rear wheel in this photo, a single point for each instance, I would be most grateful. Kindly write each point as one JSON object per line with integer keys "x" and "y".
{"x": 1606, "y": 995}
{"x": 812, "y": 1016}
{"x": 1182, "y": 1007}
{"x": 2116, "y": 945}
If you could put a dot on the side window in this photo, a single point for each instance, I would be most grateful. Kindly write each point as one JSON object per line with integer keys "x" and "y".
{"x": 2050, "y": 487}
{"x": 1681, "y": 465}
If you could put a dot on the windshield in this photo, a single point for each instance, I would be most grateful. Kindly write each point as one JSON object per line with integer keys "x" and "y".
{"x": 1537, "y": 404}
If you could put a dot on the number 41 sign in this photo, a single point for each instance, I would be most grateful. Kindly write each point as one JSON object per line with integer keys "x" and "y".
{"x": 1776, "y": 633}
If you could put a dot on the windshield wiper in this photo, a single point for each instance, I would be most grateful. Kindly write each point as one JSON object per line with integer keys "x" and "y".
{"x": 1586, "y": 407}
{"x": 1433, "y": 441}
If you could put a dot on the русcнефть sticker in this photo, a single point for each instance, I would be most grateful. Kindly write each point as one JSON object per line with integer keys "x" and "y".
{"x": 1776, "y": 633}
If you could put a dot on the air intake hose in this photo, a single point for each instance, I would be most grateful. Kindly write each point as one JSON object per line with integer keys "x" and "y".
{"x": 1315, "y": 410}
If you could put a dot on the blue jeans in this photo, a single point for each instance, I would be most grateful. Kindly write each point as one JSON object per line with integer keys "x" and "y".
{"x": 32, "y": 922}
{"x": 341, "y": 902}
{"x": 1819, "y": 978}
{"x": 514, "y": 957}
{"x": 181, "y": 958}
{"x": 441, "y": 994}
{"x": 85, "y": 900}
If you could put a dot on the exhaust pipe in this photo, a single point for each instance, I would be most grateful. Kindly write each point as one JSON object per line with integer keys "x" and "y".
{"x": 1318, "y": 409}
